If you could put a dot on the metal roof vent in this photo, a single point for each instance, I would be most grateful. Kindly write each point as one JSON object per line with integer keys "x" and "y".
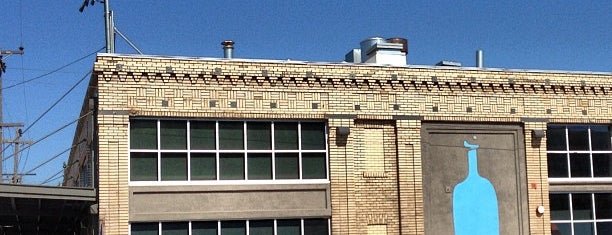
{"x": 377, "y": 50}
{"x": 449, "y": 63}
{"x": 228, "y": 49}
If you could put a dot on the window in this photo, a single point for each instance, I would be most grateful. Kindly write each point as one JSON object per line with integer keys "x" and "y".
{"x": 315, "y": 226}
{"x": 579, "y": 151}
{"x": 581, "y": 213}
{"x": 577, "y": 156}
{"x": 199, "y": 150}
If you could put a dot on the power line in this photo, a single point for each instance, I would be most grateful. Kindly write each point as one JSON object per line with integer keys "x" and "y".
{"x": 53, "y": 71}
{"x": 54, "y": 157}
{"x": 47, "y": 136}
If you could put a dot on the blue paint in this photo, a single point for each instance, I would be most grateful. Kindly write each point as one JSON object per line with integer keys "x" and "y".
{"x": 475, "y": 209}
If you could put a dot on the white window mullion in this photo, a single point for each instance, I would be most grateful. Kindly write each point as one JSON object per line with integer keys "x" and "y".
{"x": 274, "y": 227}
{"x": 301, "y": 226}
{"x": 219, "y": 227}
{"x": 569, "y": 167}
{"x": 159, "y": 229}
{"x": 244, "y": 143}
{"x": 300, "y": 149}
{"x": 590, "y": 153}
{"x": 593, "y": 201}
{"x": 571, "y": 209}
{"x": 273, "y": 159}
{"x": 159, "y": 150}
{"x": 217, "y": 159}
{"x": 189, "y": 228}
{"x": 189, "y": 154}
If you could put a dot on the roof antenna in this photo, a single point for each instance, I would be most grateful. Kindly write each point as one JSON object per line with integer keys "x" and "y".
{"x": 109, "y": 25}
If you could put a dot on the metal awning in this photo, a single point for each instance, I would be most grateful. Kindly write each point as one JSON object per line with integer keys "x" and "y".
{"x": 28, "y": 209}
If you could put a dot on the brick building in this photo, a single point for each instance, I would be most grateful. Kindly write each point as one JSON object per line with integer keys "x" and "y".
{"x": 237, "y": 146}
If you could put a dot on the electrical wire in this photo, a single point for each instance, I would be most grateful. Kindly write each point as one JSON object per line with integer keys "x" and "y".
{"x": 55, "y": 176}
{"x": 48, "y": 135}
{"x": 52, "y": 106}
{"x": 53, "y": 71}
{"x": 54, "y": 157}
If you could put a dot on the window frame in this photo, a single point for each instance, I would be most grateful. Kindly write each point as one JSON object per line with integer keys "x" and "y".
{"x": 247, "y": 224}
{"x": 572, "y": 221}
{"x": 218, "y": 151}
{"x": 567, "y": 152}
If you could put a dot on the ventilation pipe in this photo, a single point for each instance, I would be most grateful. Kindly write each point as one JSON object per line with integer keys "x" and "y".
{"x": 479, "y": 59}
{"x": 228, "y": 49}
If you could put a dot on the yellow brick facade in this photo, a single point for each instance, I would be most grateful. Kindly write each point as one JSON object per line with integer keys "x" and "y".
{"x": 394, "y": 100}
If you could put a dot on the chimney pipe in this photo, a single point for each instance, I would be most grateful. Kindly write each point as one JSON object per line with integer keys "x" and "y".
{"x": 479, "y": 58}
{"x": 228, "y": 49}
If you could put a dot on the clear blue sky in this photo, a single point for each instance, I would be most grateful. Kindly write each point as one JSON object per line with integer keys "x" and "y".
{"x": 519, "y": 34}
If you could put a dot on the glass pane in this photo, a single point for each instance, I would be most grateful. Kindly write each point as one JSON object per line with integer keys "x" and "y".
{"x": 202, "y": 135}
{"x": 285, "y": 135}
{"x": 259, "y": 135}
{"x": 204, "y": 228}
{"x": 580, "y": 165}
{"x": 578, "y": 137}
{"x": 175, "y": 228}
{"x": 231, "y": 135}
{"x": 313, "y": 136}
{"x": 557, "y": 165}
{"x": 583, "y": 228}
{"x": 144, "y": 228}
{"x": 603, "y": 205}
{"x": 315, "y": 227}
{"x": 600, "y": 138}
{"x": 143, "y": 134}
{"x": 143, "y": 166}
{"x": 287, "y": 166}
{"x": 602, "y": 165}
{"x": 261, "y": 227}
{"x": 561, "y": 229}
{"x": 555, "y": 138}
{"x": 260, "y": 166}
{"x": 582, "y": 206}
{"x": 313, "y": 166}
{"x": 203, "y": 166}
{"x": 288, "y": 227}
{"x": 173, "y": 134}
{"x": 233, "y": 227}
{"x": 174, "y": 166}
{"x": 559, "y": 207}
{"x": 231, "y": 166}
{"x": 604, "y": 227}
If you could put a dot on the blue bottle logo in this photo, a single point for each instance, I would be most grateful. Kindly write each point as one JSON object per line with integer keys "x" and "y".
{"x": 475, "y": 209}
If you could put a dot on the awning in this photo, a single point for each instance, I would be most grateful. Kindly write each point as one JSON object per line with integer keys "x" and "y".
{"x": 28, "y": 209}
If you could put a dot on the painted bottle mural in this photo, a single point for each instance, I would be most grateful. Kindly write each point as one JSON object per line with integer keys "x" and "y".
{"x": 475, "y": 209}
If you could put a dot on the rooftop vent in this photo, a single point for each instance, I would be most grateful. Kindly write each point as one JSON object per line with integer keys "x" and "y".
{"x": 228, "y": 49}
{"x": 377, "y": 50}
{"x": 449, "y": 63}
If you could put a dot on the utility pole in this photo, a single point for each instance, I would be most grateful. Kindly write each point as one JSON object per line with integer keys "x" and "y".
{"x": 6, "y": 53}
{"x": 108, "y": 23}
{"x": 16, "y": 179}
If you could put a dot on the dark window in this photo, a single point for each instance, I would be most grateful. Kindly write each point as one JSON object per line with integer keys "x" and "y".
{"x": 173, "y": 166}
{"x": 231, "y": 135}
{"x": 288, "y": 227}
{"x": 582, "y": 206}
{"x": 175, "y": 228}
{"x": 313, "y": 136}
{"x": 600, "y": 138}
{"x": 557, "y": 165}
{"x": 260, "y": 166}
{"x": 143, "y": 166}
{"x": 315, "y": 227}
{"x": 603, "y": 205}
{"x": 144, "y": 228}
{"x": 203, "y": 166}
{"x": 314, "y": 166}
{"x": 556, "y": 138}
{"x": 578, "y": 137}
{"x": 286, "y": 135}
{"x": 204, "y": 228}
{"x": 287, "y": 166}
{"x": 261, "y": 227}
{"x": 202, "y": 135}
{"x": 173, "y": 134}
{"x": 259, "y": 135}
{"x": 559, "y": 207}
{"x": 602, "y": 164}
{"x": 143, "y": 134}
{"x": 231, "y": 166}
{"x": 580, "y": 165}
{"x": 233, "y": 227}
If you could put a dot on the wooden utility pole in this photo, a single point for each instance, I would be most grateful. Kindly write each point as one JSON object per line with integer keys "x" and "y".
{"x": 16, "y": 179}
{"x": 6, "y": 53}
